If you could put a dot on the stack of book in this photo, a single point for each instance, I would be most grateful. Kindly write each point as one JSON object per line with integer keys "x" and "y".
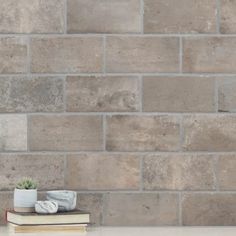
{"x": 75, "y": 221}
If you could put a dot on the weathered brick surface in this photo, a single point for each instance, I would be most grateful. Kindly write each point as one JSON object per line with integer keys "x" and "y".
{"x": 179, "y": 94}
{"x": 37, "y": 94}
{"x": 13, "y": 51}
{"x": 179, "y": 172}
{"x": 13, "y": 133}
{"x": 142, "y": 209}
{"x": 142, "y": 54}
{"x": 209, "y": 133}
{"x": 107, "y": 16}
{"x": 103, "y": 171}
{"x": 65, "y": 133}
{"x": 226, "y": 95}
{"x": 226, "y": 172}
{"x": 142, "y": 133}
{"x": 131, "y": 103}
{"x": 228, "y": 19}
{"x": 102, "y": 94}
{"x": 27, "y": 16}
{"x": 216, "y": 209}
{"x": 48, "y": 170}
{"x": 91, "y": 202}
{"x": 209, "y": 54}
{"x": 66, "y": 55}
{"x": 183, "y": 16}
{"x": 6, "y": 199}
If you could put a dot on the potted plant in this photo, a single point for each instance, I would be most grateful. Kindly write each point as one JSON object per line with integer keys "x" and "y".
{"x": 25, "y": 196}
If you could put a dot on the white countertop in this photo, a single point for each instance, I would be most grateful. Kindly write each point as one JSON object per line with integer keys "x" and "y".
{"x": 148, "y": 231}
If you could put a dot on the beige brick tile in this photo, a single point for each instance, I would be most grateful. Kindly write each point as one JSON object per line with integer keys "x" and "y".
{"x": 13, "y": 133}
{"x": 67, "y": 54}
{"x": 216, "y": 209}
{"x": 142, "y": 133}
{"x": 37, "y": 94}
{"x": 46, "y": 170}
{"x": 6, "y": 199}
{"x": 91, "y": 202}
{"x": 226, "y": 94}
{"x": 13, "y": 51}
{"x": 179, "y": 94}
{"x": 179, "y": 172}
{"x": 65, "y": 133}
{"x": 106, "y": 16}
{"x": 228, "y": 19}
{"x": 102, "y": 94}
{"x": 226, "y": 172}
{"x": 147, "y": 54}
{"x": 142, "y": 209}
{"x": 209, "y": 133}
{"x": 209, "y": 54}
{"x": 27, "y": 16}
{"x": 103, "y": 171}
{"x": 183, "y": 16}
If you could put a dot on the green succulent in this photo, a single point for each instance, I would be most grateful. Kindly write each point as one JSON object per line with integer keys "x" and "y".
{"x": 26, "y": 184}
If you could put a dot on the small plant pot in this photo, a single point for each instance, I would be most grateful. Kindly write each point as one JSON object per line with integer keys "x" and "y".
{"x": 24, "y": 200}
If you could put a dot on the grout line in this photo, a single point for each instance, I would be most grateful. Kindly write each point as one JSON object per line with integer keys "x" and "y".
{"x": 216, "y": 95}
{"x": 65, "y": 16}
{"x": 180, "y": 54}
{"x": 142, "y": 16}
{"x": 180, "y": 209}
{"x": 104, "y": 53}
{"x": 52, "y": 35}
{"x": 140, "y": 93}
{"x": 28, "y": 137}
{"x": 65, "y": 169}
{"x": 174, "y": 74}
{"x": 134, "y": 113}
{"x": 28, "y": 55}
{"x": 118, "y": 191}
{"x": 141, "y": 160}
{"x": 218, "y": 16}
{"x": 27, "y": 133}
{"x": 167, "y": 153}
{"x": 104, "y": 207}
{"x": 181, "y": 134}
{"x": 64, "y": 94}
{"x": 216, "y": 172}
{"x": 104, "y": 124}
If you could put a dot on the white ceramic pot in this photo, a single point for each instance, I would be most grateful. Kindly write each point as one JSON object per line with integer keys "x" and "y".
{"x": 24, "y": 200}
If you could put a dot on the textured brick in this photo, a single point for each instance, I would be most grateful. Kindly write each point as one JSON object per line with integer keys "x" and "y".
{"x": 178, "y": 94}
{"x": 226, "y": 172}
{"x": 102, "y": 94}
{"x": 67, "y": 55}
{"x": 209, "y": 54}
{"x": 91, "y": 202}
{"x": 178, "y": 172}
{"x": 228, "y": 19}
{"x": 46, "y": 170}
{"x": 24, "y": 94}
{"x": 6, "y": 199}
{"x": 106, "y": 16}
{"x": 227, "y": 95}
{"x": 209, "y": 209}
{"x": 27, "y": 16}
{"x": 142, "y": 209}
{"x": 65, "y": 133}
{"x": 142, "y": 54}
{"x": 209, "y": 133}
{"x": 183, "y": 16}
{"x": 142, "y": 133}
{"x": 13, "y": 133}
{"x": 13, "y": 51}
{"x": 102, "y": 171}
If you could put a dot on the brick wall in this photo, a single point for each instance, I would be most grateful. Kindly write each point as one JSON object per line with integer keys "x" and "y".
{"x": 129, "y": 102}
